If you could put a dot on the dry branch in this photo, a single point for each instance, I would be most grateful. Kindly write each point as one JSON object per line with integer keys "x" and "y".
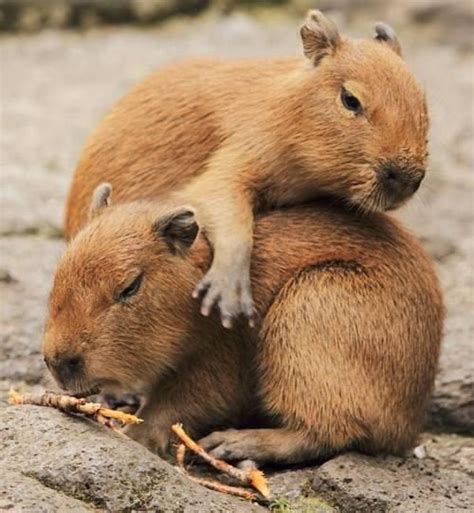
{"x": 219, "y": 487}
{"x": 252, "y": 477}
{"x": 70, "y": 404}
{"x": 212, "y": 485}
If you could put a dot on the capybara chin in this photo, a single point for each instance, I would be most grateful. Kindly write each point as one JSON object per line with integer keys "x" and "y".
{"x": 344, "y": 354}
{"x": 234, "y": 137}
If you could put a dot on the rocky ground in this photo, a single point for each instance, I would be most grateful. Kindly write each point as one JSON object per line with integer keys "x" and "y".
{"x": 55, "y": 87}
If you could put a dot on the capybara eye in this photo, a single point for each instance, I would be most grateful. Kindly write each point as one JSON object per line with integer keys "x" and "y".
{"x": 349, "y": 101}
{"x": 131, "y": 289}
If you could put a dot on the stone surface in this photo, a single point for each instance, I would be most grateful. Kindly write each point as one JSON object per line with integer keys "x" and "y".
{"x": 358, "y": 483}
{"x": 18, "y": 492}
{"x": 99, "y": 468}
{"x": 354, "y": 482}
{"x": 33, "y": 15}
{"x": 57, "y": 86}
{"x": 442, "y": 481}
{"x": 31, "y": 261}
{"x": 442, "y": 20}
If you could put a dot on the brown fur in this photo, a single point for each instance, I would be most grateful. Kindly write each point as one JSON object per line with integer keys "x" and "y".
{"x": 232, "y": 137}
{"x": 344, "y": 354}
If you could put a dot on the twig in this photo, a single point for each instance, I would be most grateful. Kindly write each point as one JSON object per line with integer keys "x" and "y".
{"x": 212, "y": 485}
{"x": 252, "y": 477}
{"x": 219, "y": 487}
{"x": 70, "y": 404}
{"x": 108, "y": 423}
{"x": 180, "y": 454}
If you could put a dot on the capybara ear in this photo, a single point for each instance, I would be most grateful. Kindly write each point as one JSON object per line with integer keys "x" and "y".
{"x": 179, "y": 229}
{"x": 320, "y": 36}
{"x": 100, "y": 199}
{"x": 386, "y": 34}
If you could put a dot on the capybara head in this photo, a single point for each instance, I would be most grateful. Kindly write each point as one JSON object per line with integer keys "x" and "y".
{"x": 109, "y": 297}
{"x": 369, "y": 113}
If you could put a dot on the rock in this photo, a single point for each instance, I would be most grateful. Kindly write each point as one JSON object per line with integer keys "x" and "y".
{"x": 18, "y": 492}
{"x": 441, "y": 481}
{"x": 146, "y": 11}
{"x": 455, "y": 19}
{"x": 452, "y": 408}
{"x": 75, "y": 459}
{"x": 33, "y": 15}
{"x": 302, "y": 6}
{"x": 6, "y": 276}
{"x": 450, "y": 452}
{"x": 32, "y": 204}
{"x": 443, "y": 219}
{"x": 292, "y": 489}
{"x": 439, "y": 248}
{"x": 29, "y": 18}
{"x": 32, "y": 261}
{"x": 354, "y": 482}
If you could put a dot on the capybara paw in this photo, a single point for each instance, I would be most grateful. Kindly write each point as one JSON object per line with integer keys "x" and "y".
{"x": 233, "y": 444}
{"x": 232, "y": 295}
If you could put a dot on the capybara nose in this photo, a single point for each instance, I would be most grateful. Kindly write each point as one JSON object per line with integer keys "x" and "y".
{"x": 67, "y": 368}
{"x": 400, "y": 183}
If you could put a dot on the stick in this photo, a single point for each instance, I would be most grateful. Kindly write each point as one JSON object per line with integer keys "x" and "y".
{"x": 70, "y": 404}
{"x": 108, "y": 423}
{"x": 219, "y": 487}
{"x": 252, "y": 477}
{"x": 180, "y": 454}
{"x": 212, "y": 485}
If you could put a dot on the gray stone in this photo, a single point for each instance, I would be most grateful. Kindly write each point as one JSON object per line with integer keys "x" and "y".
{"x": 100, "y": 468}
{"x": 293, "y": 489}
{"x": 443, "y": 480}
{"x": 152, "y": 10}
{"x": 31, "y": 260}
{"x": 19, "y": 492}
{"x": 452, "y": 407}
{"x": 33, "y": 15}
{"x": 354, "y": 482}
{"x": 455, "y": 17}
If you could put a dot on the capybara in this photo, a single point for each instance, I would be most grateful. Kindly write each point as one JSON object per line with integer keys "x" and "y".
{"x": 343, "y": 355}
{"x": 234, "y": 138}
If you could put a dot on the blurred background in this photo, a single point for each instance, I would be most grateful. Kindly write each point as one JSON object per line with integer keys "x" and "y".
{"x": 64, "y": 63}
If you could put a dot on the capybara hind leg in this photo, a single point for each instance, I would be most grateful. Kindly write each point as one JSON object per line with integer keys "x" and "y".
{"x": 260, "y": 445}
{"x": 340, "y": 359}
{"x": 312, "y": 376}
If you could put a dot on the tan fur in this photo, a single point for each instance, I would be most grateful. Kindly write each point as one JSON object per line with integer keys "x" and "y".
{"x": 344, "y": 355}
{"x": 233, "y": 137}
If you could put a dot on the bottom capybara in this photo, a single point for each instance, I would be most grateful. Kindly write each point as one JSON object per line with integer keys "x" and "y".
{"x": 344, "y": 355}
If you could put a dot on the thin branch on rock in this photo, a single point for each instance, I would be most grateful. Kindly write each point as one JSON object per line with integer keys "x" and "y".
{"x": 252, "y": 476}
{"x": 208, "y": 483}
{"x": 180, "y": 455}
{"x": 70, "y": 404}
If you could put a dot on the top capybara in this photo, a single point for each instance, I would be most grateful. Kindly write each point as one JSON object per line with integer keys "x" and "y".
{"x": 230, "y": 138}
{"x": 343, "y": 356}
